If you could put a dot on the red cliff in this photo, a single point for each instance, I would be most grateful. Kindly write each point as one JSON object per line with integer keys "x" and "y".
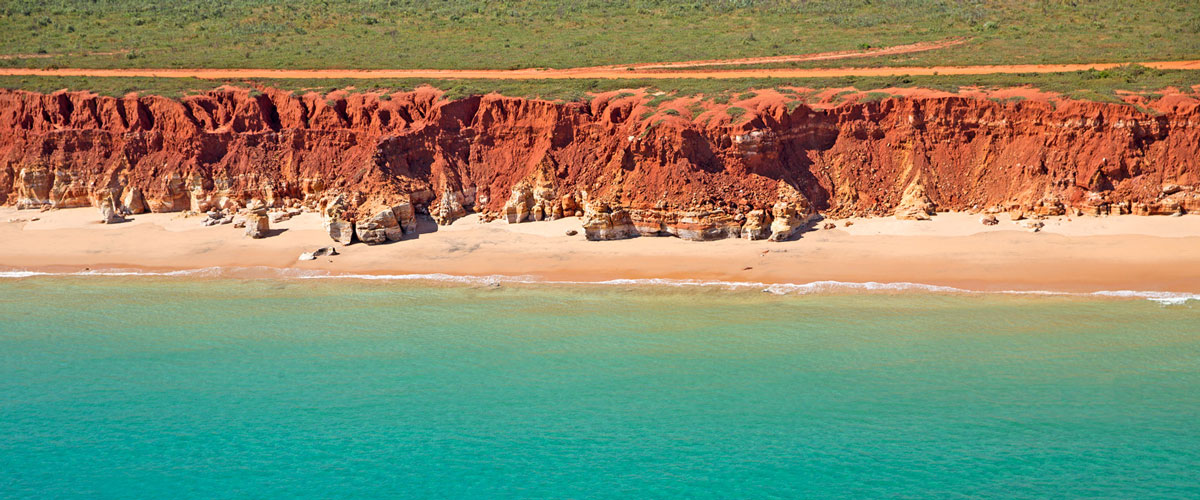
{"x": 633, "y": 169}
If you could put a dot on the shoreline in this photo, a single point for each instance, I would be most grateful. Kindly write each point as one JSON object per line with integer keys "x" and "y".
{"x": 1076, "y": 255}
{"x": 816, "y": 287}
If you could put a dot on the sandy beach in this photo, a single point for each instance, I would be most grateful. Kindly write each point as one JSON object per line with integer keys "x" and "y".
{"x": 1079, "y": 254}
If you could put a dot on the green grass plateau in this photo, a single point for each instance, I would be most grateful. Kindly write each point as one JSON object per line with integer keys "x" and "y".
{"x": 477, "y": 34}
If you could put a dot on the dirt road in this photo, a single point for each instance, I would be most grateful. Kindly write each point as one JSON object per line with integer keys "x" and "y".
{"x": 580, "y": 73}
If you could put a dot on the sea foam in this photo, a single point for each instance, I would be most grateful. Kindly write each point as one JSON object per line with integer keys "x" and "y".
{"x": 814, "y": 287}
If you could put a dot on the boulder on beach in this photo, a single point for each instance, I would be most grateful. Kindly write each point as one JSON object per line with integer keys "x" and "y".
{"x": 320, "y": 252}
{"x": 257, "y": 223}
{"x": 379, "y": 228}
{"x": 109, "y": 213}
{"x": 334, "y": 220}
{"x": 216, "y": 217}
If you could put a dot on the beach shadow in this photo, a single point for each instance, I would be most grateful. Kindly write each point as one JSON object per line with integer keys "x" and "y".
{"x": 274, "y": 232}
{"x": 809, "y": 226}
{"x": 425, "y": 225}
{"x": 122, "y": 221}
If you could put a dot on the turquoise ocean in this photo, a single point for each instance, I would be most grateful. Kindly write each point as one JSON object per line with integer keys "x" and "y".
{"x": 218, "y": 387}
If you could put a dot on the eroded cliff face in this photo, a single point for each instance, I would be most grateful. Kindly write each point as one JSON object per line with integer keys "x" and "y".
{"x": 627, "y": 168}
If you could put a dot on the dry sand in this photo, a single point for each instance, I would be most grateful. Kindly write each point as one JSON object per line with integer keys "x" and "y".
{"x": 1080, "y": 254}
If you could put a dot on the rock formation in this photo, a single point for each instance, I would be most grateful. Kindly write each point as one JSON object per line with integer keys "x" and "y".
{"x": 320, "y": 252}
{"x": 628, "y": 168}
{"x": 757, "y": 225}
{"x": 602, "y": 222}
{"x": 534, "y": 198}
{"x": 915, "y": 204}
{"x": 379, "y": 228}
{"x": 108, "y": 211}
{"x": 257, "y": 223}
{"x": 336, "y": 222}
{"x": 133, "y": 202}
{"x": 448, "y": 207}
{"x": 790, "y": 213}
{"x": 406, "y": 217}
{"x": 215, "y": 218}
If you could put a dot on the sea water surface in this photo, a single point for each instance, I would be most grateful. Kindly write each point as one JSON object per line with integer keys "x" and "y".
{"x": 158, "y": 387}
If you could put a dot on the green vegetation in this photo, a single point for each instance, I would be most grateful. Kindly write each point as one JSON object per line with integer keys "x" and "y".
{"x": 874, "y": 96}
{"x": 648, "y": 128}
{"x": 507, "y": 34}
{"x": 659, "y": 99}
{"x": 735, "y": 112}
{"x": 1092, "y": 95}
{"x": 840, "y": 96}
{"x": 1092, "y": 85}
{"x": 1008, "y": 100}
{"x": 745, "y": 95}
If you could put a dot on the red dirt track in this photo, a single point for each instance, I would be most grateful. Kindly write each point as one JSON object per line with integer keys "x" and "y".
{"x": 584, "y": 73}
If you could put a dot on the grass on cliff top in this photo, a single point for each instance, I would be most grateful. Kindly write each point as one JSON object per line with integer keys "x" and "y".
{"x": 506, "y": 34}
{"x": 1086, "y": 85}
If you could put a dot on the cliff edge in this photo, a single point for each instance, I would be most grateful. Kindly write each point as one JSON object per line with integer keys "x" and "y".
{"x": 370, "y": 162}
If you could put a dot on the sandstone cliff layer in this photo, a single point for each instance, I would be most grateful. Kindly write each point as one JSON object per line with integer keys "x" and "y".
{"x": 371, "y": 163}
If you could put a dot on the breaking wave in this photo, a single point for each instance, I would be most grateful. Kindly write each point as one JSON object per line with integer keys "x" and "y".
{"x": 827, "y": 286}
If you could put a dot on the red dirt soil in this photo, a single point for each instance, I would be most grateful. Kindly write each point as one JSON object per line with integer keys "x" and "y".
{"x": 585, "y": 73}
{"x": 669, "y": 168}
